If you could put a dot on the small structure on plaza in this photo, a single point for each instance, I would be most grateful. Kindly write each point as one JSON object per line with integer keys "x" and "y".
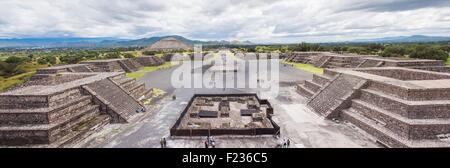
{"x": 225, "y": 114}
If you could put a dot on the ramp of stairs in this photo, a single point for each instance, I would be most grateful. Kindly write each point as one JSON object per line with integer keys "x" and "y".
{"x": 121, "y": 105}
{"x": 336, "y": 95}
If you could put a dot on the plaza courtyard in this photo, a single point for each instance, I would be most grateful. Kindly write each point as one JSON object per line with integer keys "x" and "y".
{"x": 304, "y": 128}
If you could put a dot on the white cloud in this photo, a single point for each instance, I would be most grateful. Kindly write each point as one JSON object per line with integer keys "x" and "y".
{"x": 256, "y": 20}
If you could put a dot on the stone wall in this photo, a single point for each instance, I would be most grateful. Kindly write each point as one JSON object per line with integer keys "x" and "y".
{"x": 149, "y": 60}
{"x": 404, "y": 74}
{"x": 111, "y": 65}
{"x": 55, "y": 119}
{"x": 434, "y": 68}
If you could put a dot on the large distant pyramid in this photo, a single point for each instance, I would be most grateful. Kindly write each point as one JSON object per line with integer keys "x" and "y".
{"x": 169, "y": 43}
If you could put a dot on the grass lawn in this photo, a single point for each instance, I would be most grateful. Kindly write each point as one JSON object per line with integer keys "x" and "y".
{"x": 448, "y": 61}
{"x": 6, "y": 83}
{"x": 30, "y": 70}
{"x": 305, "y": 67}
{"x": 144, "y": 70}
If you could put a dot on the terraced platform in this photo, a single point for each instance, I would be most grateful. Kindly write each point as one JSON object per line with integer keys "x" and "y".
{"x": 400, "y": 107}
{"x": 64, "y": 107}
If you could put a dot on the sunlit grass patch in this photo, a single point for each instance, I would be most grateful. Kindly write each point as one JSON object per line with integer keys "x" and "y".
{"x": 29, "y": 69}
{"x": 6, "y": 83}
{"x": 305, "y": 67}
{"x": 448, "y": 61}
{"x": 147, "y": 69}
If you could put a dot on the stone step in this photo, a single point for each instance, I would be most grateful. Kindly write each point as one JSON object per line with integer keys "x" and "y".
{"x": 121, "y": 105}
{"x": 384, "y": 135}
{"x": 314, "y": 87}
{"x": 330, "y": 73}
{"x": 138, "y": 88}
{"x": 75, "y": 123}
{"x": 337, "y": 64}
{"x": 42, "y": 115}
{"x": 136, "y": 64}
{"x": 405, "y": 127}
{"x": 130, "y": 85}
{"x": 304, "y": 91}
{"x": 416, "y": 94}
{"x": 321, "y": 79}
{"x": 82, "y": 131}
{"x": 322, "y": 62}
{"x": 148, "y": 94}
{"x": 336, "y": 95}
{"x": 411, "y": 109}
{"x": 44, "y": 133}
{"x": 123, "y": 81}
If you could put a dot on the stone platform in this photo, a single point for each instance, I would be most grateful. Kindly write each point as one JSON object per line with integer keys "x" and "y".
{"x": 401, "y": 107}
{"x": 225, "y": 114}
{"x": 61, "y": 105}
{"x": 334, "y": 60}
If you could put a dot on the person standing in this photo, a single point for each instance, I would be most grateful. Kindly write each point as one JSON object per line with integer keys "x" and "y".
{"x": 164, "y": 142}
{"x": 206, "y": 144}
{"x": 161, "y": 142}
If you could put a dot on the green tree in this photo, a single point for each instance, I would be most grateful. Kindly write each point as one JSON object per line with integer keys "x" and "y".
{"x": 428, "y": 52}
{"x": 16, "y": 60}
{"x": 394, "y": 51}
{"x": 446, "y": 48}
{"x": 149, "y": 52}
{"x": 48, "y": 59}
{"x": 112, "y": 55}
{"x": 128, "y": 55}
{"x": 357, "y": 50}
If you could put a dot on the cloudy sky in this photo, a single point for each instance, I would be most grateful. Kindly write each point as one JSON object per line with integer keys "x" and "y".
{"x": 254, "y": 20}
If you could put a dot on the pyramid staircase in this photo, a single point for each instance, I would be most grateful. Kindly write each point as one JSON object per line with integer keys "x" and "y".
{"x": 401, "y": 121}
{"x": 311, "y": 87}
{"x": 59, "y": 119}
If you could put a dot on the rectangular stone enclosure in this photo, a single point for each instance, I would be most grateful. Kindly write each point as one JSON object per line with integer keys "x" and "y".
{"x": 225, "y": 114}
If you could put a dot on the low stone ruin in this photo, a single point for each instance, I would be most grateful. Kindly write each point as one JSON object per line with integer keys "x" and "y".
{"x": 149, "y": 60}
{"x": 122, "y": 65}
{"x": 228, "y": 114}
{"x": 333, "y": 60}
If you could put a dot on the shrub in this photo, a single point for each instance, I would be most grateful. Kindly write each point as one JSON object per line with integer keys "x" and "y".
{"x": 112, "y": 55}
{"x": 16, "y": 60}
{"x": 427, "y": 52}
{"x": 149, "y": 52}
{"x": 394, "y": 51}
{"x": 128, "y": 55}
{"x": 49, "y": 59}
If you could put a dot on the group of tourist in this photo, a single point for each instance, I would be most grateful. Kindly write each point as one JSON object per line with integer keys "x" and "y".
{"x": 284, "y": 143}
{"x": 163, "y": 142}
{"x": 140, "y": 110}
{"x": 210, "y": 142}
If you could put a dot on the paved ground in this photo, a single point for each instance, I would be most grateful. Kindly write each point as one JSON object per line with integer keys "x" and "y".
{"x": 303, "y": 127}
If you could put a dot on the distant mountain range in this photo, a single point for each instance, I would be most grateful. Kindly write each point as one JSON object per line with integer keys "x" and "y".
{"x": 404, "y": 39}
{"x": 76, "y": 42}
